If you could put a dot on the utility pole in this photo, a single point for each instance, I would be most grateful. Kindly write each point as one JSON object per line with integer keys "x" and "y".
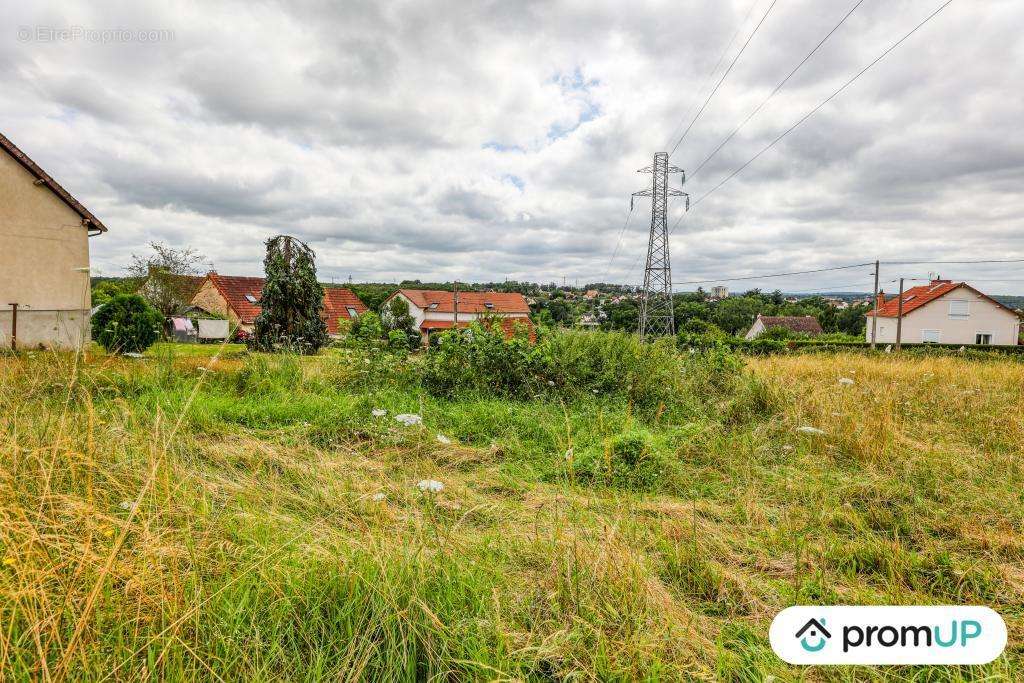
{"x": 455, "y": 305}
{"x": 899, "y": 319}
{"x": 874, "y": 317}
{"x": 656, "y": 314}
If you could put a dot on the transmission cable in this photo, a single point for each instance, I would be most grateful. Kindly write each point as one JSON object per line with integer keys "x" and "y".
{"x": 722, "y": 79}
{"x": 777, "y": 89}
{"x": 814, "y": 110}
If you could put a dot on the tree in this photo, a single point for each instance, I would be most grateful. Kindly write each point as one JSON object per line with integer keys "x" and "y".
{"x": 105, "y": 290}
{"x": 168, "y": 276}
{"x": 396, "y": 318}
{"x": 126, "y": 324}
{"x": 292, "y": 302}
{"x": 736, "y": 314}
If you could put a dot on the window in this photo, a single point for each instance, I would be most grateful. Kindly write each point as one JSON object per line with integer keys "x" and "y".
{"x": 983, "y": 338}
{"x": 250, "y": 298}
{"x": 959, "y": 310}
{"x": 489, "y": 305}
{"x": 433, "y": 306}
{"x": 931, "y": 336}
{"x": 352, "y": 312}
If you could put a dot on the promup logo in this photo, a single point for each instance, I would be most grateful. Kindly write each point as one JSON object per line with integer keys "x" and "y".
{"x": 817, "y": 631}
{"x": 888, "y": 635}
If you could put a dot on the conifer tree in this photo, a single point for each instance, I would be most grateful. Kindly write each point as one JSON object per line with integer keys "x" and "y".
{"x": 292, "y": 301}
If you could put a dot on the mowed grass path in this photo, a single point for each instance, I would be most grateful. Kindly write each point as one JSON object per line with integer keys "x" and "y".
{"x": 184, "y": 517}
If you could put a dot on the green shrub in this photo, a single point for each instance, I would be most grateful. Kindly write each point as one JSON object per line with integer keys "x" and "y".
{"x": 629, "y": 461}
{"x": 126, "y": 324}
{"x": 482, "y": 359}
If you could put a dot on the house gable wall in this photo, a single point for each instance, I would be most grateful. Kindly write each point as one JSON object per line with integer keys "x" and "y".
{"x": 983, "y": 317}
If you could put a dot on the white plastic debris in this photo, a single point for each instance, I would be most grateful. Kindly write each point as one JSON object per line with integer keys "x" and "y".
{"x": 366, "y": 361}
{"x": 378, "y": 412}
{"x": 594, "y": 392}
{"x": 551, "y": 382}
{"x": 409, "y": 419}
{"x": 127, "y": 505}
{"x": 430, "y": 485}
{"x": 846, "y": 381}
{"x": 132, "y": 354}
{"x": 442, "y": 439}
{"x": 378, "y": 497}
{"x": 810, "y": 430}
{"x": 888, "y": 348}
{"x": 569, "y": 454}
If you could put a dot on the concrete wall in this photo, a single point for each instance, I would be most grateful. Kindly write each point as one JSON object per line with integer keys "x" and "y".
{"x": 44, "y": 261}
{"x": 983, "y": 317}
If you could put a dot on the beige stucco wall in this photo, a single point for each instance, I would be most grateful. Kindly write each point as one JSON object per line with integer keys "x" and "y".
{"x": 44, "y": 261}
{"x": 983, "y": 317}
{"x": 210, "y": 299}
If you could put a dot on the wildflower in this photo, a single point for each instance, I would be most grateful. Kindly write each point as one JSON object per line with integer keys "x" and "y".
{"x": 442, "y": 439}
{"x": 846, "y": 381}
{"x": 366, "y": 360}
{"x": 551, "y": 382}
{"x": 127, "y": 505}
{"x": 810, "y": 430}
{"x": 10, "y": 561}
{"x": 409, "y": 419}
{"x": 108, "y": 532}
{"x": 378, "y": 412}
{"x": 430, "y": 486}
{"x": 569, "y": 454}
{"x": 378, "y": 497}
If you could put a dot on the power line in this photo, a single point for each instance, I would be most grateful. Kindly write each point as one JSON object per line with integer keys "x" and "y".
{"x": 711, "y": 75}
{"x": 816, "y": 108}
{"x": 918, "y": 263}
{"x": 765, "y": 277}
{"x": 722, "y": 79}
{"x": 779, "y": 87}
{"x": 618, "y": 243}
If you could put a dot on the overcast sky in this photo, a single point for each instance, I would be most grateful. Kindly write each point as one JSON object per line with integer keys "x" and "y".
{"x": 485, "y": 140}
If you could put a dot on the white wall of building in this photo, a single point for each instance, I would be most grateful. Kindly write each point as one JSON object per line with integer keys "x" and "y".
{"x": 932, "y": 322}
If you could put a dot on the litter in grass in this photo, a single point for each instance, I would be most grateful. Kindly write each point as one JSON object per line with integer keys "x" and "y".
{"x": 378, "y": 412}
{"x": 430, "y": 485}
{"x": 378, "y": 497}
{"x": 132, "y": 354}
{"x": 787, "y": 447}
{"x": 568, "y": 454}
{"x": 442, "y": 439}
{"x": 810, "y": 430}
{"x": 127, "y": 505}
{"x": 409, "y": 419}
{"x": 846, "y": 381}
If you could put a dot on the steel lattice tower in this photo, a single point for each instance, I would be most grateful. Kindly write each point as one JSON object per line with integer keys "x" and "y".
{"x": 656, "y": 314}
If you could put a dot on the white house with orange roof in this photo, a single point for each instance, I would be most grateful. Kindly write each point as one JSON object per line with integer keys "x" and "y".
{"x": 437, "y": 310}
{"x": 945, "y": 312}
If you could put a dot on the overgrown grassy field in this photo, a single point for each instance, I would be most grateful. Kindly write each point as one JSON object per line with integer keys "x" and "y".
{"x": 247, "y": 517}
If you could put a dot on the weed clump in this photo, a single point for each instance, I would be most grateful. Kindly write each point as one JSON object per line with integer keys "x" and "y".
{"x": 629, "y": 461}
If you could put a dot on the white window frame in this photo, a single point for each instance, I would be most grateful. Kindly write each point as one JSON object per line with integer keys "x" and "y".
{"x": 925, "y": 340}
{"x": 991, "y": 336}
{"x": 966, "y": 309}
{"x": 352, "y": 313}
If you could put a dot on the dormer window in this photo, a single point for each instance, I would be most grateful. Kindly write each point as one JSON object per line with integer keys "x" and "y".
{"x": 352, "y": 312}
{"x": 433, "y": 306}
{"x": 489, "y": 305}
{"x": 250, "y": 298}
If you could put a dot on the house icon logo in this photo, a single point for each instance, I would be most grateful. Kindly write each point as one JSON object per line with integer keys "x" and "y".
{"x": 815, "y": 632}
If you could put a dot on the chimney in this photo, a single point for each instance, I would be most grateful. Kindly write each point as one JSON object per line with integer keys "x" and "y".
{"x": 881, "y": 299}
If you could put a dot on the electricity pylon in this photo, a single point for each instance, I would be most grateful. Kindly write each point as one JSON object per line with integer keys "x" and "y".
{"x": 656, "y": 314}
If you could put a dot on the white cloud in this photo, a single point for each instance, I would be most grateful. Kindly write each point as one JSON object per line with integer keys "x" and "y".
{"x": 479, "y": 141}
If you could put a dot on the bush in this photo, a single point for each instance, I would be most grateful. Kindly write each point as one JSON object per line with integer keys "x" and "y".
{"x": 126, "y": 324}
{"x": 482, "y": 359}
{"x": 629, "y": 461}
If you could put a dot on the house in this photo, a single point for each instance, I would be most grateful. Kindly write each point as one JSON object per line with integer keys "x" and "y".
{"x": 238, "y": 298}
{"x": 434, "y": 310}
{"x": 801, "y": 324}
{"x": 591, "y": 294}
{"x": 719, "y": 292}
{"x": 44, "y": 257}
{"x": 945, "y": 312}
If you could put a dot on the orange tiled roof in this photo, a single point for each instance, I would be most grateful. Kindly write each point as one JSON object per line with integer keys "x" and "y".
{"x": 235, "y": 289}
{"x": 469, "y": 302}
{"x": 916, "y": 297}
